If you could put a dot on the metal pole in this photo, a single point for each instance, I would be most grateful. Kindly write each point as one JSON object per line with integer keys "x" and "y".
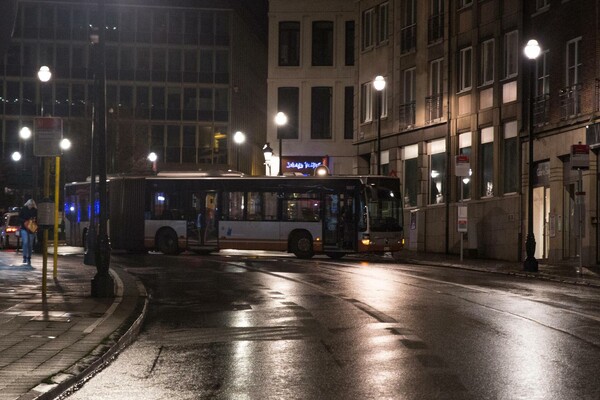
{"x": 462, "y": 234}
{"x": 580, "y": 217}
{"x": 380, "y": 94}
{"x": 530, "y": 264}
{"x": 280, "y": 156}
{"x": 56, "y": 198}
{"x": 45, "y": 231}
{"x": 102, "y": 284}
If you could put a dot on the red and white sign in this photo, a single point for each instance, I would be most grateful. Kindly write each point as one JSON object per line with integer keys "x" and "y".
{"x": 47, "y": 134}
{"x": 462, "y": 165}
{"x": 580, "y": 156}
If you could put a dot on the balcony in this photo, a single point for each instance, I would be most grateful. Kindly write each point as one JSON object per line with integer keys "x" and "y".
{"x": 407, "y": 115}
{"x": 433, "y": 108}
{"x": 541, "y": 110}
{"x": 570, "y": 101}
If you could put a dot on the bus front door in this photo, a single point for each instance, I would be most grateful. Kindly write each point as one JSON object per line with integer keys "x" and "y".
{"x": 339, "y": 223}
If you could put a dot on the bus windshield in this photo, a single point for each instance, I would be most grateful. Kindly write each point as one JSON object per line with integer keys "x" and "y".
{"x": 384, "y": 210}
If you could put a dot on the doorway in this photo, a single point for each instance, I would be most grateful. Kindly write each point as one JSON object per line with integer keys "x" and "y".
{"x": 541, "y": 209}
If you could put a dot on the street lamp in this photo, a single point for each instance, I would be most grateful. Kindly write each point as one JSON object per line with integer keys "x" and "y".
{"x": 152, "y": 157}
{"x": 532, "y": 51}
{"x": 379, "y": 84}
{"x": 280, "y": 120}
{"x": 239, "y": 138}
{"x": 44, "y": 76}
{"x": 16, "y": 156}
{"x": 268, "y": 153}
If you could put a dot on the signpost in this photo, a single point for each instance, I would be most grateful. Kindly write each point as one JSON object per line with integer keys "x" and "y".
{"x": 462, "y": 168}
{"x": 580, "y": 160}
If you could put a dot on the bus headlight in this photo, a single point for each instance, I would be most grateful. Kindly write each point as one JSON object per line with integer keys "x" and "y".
{"x": 365, "y": 239}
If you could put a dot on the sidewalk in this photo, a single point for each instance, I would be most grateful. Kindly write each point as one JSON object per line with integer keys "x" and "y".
{"x": 566, "y": 272}
{"x": 49, "y": 344}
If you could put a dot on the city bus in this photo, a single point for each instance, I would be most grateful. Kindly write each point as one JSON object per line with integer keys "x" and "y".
{"x": 203, "y": 213}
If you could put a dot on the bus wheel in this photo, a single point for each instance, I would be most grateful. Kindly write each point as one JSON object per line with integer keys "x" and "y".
{"x": 301, "y": 245}
{"x": 335, "y": 256}
{"x": 166, "y": 242}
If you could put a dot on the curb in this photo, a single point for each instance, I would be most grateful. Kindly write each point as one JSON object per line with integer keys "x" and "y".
{"x": 66, "y": 383}
{"x": 521, "y": 274}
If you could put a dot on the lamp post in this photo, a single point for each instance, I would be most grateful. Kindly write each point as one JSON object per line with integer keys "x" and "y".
{"x": 152, "y": 157}
{"x": 532, "y": 51}
{"x": 280, "y": 120}
{"x": 239, "y": 138}
{"x": 25, "y": 135}
{"x": 379, "y": 84}
{"x": 65, "y": 144}
{"x": 268, "y": 153}
{"x": 44, "y": 76}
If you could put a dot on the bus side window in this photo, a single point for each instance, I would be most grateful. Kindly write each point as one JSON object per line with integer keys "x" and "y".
{"x": 233, "y": 206}
{"x": 254, "y": 207}
{"x": 270, "y": 206}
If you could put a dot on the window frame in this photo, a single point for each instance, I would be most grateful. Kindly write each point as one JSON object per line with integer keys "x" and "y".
{"x": 465, "y": 70}
{"x": 511, "y": 54}
{"x": 487, "y": 62}
{"x": 367, "y": 39}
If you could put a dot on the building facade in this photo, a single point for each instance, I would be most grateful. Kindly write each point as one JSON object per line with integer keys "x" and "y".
{"x": 311, "y": 79}
{"x": 181, "y": 78}
{"x": 457, "y": 84}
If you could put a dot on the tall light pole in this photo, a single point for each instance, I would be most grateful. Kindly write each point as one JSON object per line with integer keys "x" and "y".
{"x": 532, "y": 51}
{"x": 280, "y": 120}
{"x": 152, "y": 157}
{"x": 239, "y": 138}
{"x": 379, "y": 84}
{"x": 25, "y": 135}
{"x": 44, "y": 76}
{"x": 65, "y": 144}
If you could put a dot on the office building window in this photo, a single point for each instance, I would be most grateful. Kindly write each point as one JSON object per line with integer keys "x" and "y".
{"x": 320, "y": 121}
{"x": 382, "y": 22}
{"x": 289, "y": 43}
{"x": 367, "y": 29}
{"x": 349, "y": 112}
{"x": 510, "y": 152}
{"x": 322, "y": 43}
{"x": 486, "y": 161}
{"x": 464, "y": 148}
{"x": 366, "y": 102}
{"x": 288, "y": 101}
{"x": 465, "y": 70}
{"x": 437, "y": 170}
{"x": 511, "y": 54}
{"x": 410, "y": 158}
{"x": 573, "y": 58}
{"x": 408, "y": 28}
{"x": 542, "y": 84}
{"x": 349, "y": 43}
{"x": 487, "y": 62}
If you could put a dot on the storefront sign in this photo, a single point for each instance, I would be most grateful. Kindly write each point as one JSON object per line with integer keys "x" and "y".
{"x": 303, "y": 165}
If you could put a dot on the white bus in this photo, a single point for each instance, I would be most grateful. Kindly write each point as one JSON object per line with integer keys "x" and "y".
{"x": 175, "y": 212}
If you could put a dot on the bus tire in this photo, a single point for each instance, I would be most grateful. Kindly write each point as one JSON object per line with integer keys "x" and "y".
{"x": 301, "y": 245}
{"x": 166, "y": 242}
{"x": 335, "y": 256}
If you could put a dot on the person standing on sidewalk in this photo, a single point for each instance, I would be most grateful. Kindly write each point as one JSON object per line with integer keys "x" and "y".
{"x": 27, "y": 215}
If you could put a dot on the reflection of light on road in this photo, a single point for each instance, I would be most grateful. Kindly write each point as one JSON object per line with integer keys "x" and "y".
{"x": 242, "y": 370}
{"x": 382, "y": 355}
{"x": 240, "y": 319}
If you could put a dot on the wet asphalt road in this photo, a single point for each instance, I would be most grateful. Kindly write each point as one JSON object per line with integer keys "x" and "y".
{"x": 268, "y": 327}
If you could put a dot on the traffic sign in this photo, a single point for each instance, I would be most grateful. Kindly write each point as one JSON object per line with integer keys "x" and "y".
{"x": 47, "y": 134}
{"x": 462, "y": 165}
{"x": 580, "y": 156}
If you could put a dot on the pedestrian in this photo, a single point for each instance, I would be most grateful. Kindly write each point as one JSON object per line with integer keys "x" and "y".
{"x": 28, "y": 217}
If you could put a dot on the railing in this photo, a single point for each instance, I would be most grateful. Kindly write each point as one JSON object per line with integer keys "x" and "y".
{"x": 408, "y": 38}
{"x": 541, "y": 110}
{"x": 435, "y": 28}
{"x": 407, "y": 115}
{"x": 433, "y": 107}
{"x": 570, "y": 101}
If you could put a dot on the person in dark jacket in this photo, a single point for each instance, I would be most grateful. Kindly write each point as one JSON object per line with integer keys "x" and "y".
{"x": 28, "y": 212}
